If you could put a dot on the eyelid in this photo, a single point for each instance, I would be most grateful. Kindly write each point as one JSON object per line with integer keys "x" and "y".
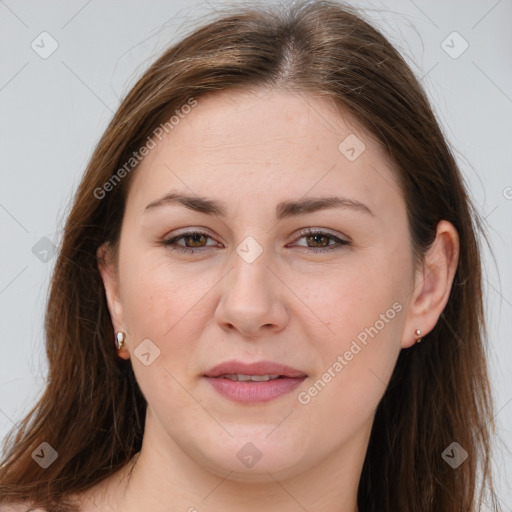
{"x": 340, "y": 242}
{"x": 188, "y": 232}
{"x": 323, "y": 231}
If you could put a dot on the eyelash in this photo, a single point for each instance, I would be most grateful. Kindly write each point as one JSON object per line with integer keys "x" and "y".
{"x": 171, "y": 243}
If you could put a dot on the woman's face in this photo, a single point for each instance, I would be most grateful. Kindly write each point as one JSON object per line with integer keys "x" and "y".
{"x": 253, "y": 286}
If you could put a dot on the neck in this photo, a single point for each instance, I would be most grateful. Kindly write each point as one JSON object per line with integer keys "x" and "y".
{"x": 162, "y": 473}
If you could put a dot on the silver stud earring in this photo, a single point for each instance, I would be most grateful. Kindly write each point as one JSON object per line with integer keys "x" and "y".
{"x": 120, "y": 337}
{"x": 418, "y": 335}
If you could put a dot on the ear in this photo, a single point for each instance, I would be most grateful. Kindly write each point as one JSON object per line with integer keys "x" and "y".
{"x": 433, "y": 283}
{"x": 108, "y": 270}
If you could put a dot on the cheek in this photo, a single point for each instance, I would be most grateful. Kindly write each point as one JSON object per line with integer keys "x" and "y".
{"x": 364, "y": 309}
{"x": 157, "y": 296}
{"x": 170, "y": 305}
{"x": 354, "y": 296}
{"x": 344, "y": 311}
{"x": 162, "y": 304}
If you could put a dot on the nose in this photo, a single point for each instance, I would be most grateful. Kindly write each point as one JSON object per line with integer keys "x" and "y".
{"x": 252, "y": 300}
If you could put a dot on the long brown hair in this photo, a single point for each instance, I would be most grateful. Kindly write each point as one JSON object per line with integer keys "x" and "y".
{"x": 92, "y": 411}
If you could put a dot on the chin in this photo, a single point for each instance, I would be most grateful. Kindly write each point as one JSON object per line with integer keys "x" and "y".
{"x": 252, "y": 461}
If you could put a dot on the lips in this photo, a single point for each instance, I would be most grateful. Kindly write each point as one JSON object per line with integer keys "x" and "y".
{"x": 252, "y": 383}
{"x": 259, "y": 368}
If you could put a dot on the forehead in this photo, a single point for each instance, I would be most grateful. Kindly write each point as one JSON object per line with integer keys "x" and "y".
{"x": 262, "y": 143}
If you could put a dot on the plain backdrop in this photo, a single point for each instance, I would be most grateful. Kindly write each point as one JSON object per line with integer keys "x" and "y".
{"x": 64, "y": 68}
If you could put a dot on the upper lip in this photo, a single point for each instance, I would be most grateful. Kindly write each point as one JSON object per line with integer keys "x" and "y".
{"x": 257, "y": 368}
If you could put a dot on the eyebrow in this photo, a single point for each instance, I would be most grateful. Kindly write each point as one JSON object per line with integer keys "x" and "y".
{"x": 283, "y": 210}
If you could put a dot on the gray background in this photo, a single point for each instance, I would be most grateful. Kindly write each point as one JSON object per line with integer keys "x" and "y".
{"x": 53, "y": 111}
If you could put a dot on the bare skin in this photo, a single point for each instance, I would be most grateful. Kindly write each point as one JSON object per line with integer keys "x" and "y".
{"x": 291, "y": 305}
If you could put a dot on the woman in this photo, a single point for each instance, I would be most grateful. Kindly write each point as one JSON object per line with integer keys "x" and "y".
{"x": 268, "y": 294}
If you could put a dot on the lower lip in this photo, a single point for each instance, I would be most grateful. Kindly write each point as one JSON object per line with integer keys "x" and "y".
{"x": 250, "y": 392}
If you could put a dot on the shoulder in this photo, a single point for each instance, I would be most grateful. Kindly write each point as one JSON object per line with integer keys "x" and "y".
{"x": 19, "y": 507}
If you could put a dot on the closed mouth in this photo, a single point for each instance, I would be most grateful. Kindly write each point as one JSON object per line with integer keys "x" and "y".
{"x": 261, "y": 371}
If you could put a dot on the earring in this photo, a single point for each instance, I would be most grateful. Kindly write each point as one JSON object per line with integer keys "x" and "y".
{"x": 120, "y": 337}
{"x": 418, "y": 334}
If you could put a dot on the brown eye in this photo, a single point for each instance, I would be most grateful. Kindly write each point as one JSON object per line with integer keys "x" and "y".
{"x": 193, "y": 240}
{"x": 318, "y": 240}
